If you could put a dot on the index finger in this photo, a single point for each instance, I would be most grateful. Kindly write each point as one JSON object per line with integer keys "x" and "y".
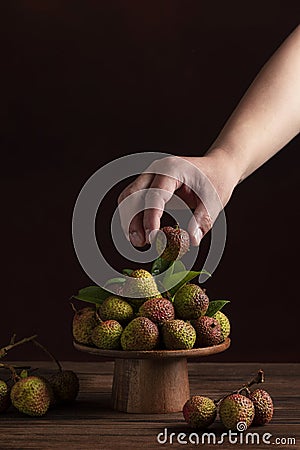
{"x": 130, "y": 221}
{"x": 159, "y": 193}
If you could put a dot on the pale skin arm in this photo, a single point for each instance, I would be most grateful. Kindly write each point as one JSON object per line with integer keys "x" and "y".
{"x": 266, "y": 119}
{"x": 268, "y": 116}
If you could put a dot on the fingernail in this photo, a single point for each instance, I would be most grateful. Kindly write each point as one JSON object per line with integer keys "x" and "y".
{"x": 136, "y": 239}
{"x": 151, "y": 235}
{"x": 198, "y": 236}
{"x": 147, "y": 234}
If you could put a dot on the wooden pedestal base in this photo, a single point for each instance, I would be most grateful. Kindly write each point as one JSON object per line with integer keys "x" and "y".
{"x": 150, "y": 385}
{"x": 151, "y": 381}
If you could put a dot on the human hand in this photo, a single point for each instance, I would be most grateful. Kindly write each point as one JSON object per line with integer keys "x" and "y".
{"x": 205, "y": 184}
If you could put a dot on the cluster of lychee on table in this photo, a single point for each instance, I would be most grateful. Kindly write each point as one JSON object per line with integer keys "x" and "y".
{"x": 142, "y": 317}
{"x": 237, "y": 410}
{"x": 33, "y": 394}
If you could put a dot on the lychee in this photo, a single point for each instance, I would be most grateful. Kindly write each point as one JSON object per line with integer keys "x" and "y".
{"x": 199, "y": 411}
{"x": 178, "y": 335}
{"x": 139, "y": 287}
{"x": 4, "y": 396}
{"x": 31, "y": 396}
{"x": 263, "y": 405}
{"x": 178, "y": 243}
{"x": 224, "y": 323}
{"x": 84, "y": 322}
{"x": 208, "y": 331}
{"x": 158, "y": 310}
{"x": 115, "y": 308}
{"x": 236, "y": 408}
{"x": 140, "y": 334}
{"x": 190, "y": 302}
{"x": 65, "y": 386}
{"x": 107, "y": 335}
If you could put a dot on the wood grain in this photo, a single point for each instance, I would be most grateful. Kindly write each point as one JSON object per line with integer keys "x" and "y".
{"x": 150, "y": 386}
{"x": 92, "y": 423}
{"x": 154, "y": 354}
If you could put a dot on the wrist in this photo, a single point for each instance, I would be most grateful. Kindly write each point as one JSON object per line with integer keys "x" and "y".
{"x": 225, "y": 160}
{"x": 218, "y": 167}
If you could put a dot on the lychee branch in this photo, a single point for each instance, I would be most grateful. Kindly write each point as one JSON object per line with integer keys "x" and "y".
{"x": 51, "y": 356}
{"x": 259, "y": 378}
{"x": 13, "y": 344}
{"x": 14, "y": 374}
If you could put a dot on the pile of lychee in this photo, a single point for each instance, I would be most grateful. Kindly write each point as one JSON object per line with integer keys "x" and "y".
{"x": 237, "y": 411}
{"x": 142, "y": 317}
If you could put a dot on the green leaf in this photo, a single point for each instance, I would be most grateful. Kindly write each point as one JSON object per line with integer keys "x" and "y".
{"x": 115, "y": 281}
{"x": 160, "y": 265}
{"x": 215, "y": 306}
{"x": 175, "y": 267}
{"x": 92, "y": 294}
{"x": 177, "y": 280}
{"x": 178, "y": 266}
{"x": 87, "y": 299}
{"x": 127, "y": 272}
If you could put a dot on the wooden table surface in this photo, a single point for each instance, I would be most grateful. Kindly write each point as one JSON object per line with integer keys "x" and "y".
{"x": 90, "y": 423}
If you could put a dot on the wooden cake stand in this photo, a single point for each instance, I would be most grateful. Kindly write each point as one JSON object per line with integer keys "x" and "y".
{"x": 151, "y": 382}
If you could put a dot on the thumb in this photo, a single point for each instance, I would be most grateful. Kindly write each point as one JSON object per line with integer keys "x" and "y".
{"x": 199, "y": 224}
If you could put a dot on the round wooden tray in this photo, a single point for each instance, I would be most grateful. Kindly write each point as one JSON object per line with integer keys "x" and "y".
{"x": 151, "y": 382}
{"x": 154, "y": 354}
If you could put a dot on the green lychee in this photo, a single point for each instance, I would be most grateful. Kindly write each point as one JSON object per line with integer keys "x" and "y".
{"x": 4, "y": 396}
{"x": 177, "y": 243}
{"x": 178, "y": 335}
{"x": 65, "y": 386}
{"x": 190, "y": 302}
{"x": 263, "y": 406}
{"x": 31, "y": 396}
{"x": 236, "y": 408}
{"x": 199, "y": 411}
{"x": 115, "y": 308}
{"x": 208, "y": 331}
{"x": 84, "y": 322}
{"x": 140, "y": 334}
{"x": 158, "y": 310}
{"x": 139, "y": 287}
{"x": 107, "y": 335}
{"x": 224, "y": 323}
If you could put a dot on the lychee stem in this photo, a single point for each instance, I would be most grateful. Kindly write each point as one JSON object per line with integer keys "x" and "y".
{"x": 4, "y": 350}
{"x": 13, "y": 339}
{"x": 98, "y": 317}
{"x": 51, "y": 356}
{"x": 73, "y": 307}
{"x": 259, "y": 378}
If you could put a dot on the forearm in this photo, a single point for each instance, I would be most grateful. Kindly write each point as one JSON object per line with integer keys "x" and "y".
{"x": 268, "y": 116}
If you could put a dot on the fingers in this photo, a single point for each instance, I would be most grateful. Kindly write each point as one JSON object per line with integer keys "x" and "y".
{"x": 131, "y": 201}
{"x": 136, "y": 231}
{"x": 161, "y": 190}
{"x": 200, "y": 224}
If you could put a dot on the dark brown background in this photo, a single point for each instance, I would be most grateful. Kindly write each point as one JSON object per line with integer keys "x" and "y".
{"x": 86, "y": 82}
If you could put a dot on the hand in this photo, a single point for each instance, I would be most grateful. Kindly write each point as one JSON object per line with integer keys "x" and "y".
{"x": 205, "y": 184}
